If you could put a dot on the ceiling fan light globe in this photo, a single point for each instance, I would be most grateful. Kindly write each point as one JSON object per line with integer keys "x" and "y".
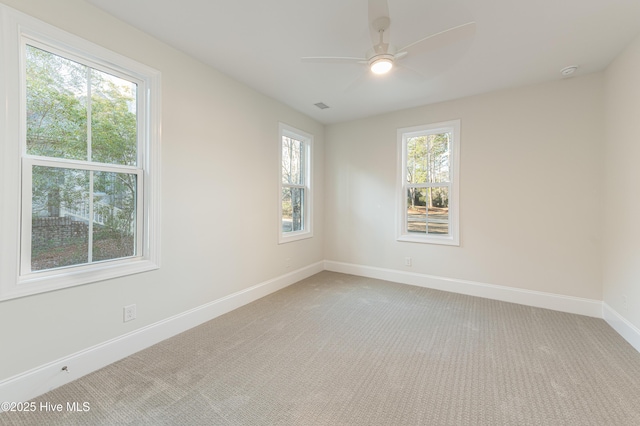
{"x": 381, "y": 66}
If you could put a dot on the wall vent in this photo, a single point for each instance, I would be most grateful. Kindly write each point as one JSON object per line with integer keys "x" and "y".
{"x": 322, "y": 105}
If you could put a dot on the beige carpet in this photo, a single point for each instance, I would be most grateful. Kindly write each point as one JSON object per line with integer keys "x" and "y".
{"x": 336, "y": 349}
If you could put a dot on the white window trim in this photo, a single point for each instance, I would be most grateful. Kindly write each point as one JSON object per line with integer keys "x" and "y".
{"x": 453, "y": 238}
{"x": 307, "y": 231}
{"x": 16, "y": 28}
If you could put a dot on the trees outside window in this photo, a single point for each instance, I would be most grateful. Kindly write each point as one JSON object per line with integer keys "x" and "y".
{"x": 295, "y": 184}
{"x": 428, "y": 188}
{"x": 80, "y": 159}
{"x": 82, "y": 155}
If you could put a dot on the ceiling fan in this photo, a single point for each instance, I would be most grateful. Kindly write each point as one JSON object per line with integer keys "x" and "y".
{"x": 383, "y": 56}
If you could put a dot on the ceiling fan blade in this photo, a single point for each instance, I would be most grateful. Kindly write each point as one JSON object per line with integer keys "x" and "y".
{"x": 377, "y": 9}
{"x": 334, "y": 60}
{"x": 441, "y": 39}
{"x": 415, "y": 73}
{"x": 400, "y": 55}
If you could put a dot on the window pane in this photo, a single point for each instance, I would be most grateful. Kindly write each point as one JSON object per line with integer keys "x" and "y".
{"x": 438, "y": 158}
{"x": 428, "y": 185}
{"x": 114, "y": 215}
{"x": 417, "y": 159}
{"x": 438, "y": 228}
{"x": 292, "y": 212}
{"x": 56, "y": 106}
{"x": 59, "y": 228}
{"x": 416, "y": 210}
{"x": 428, "y": 158}
{"x": 428, "y": 210}
{"x": 438, "y": 210}
{"x": 293, "y": 161}
{"x": 113, "y": 119}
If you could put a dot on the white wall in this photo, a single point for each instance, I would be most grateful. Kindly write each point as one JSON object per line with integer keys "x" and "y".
{"x": 622, "y": 189}
{"x": 219, "y": 202}
{"x": 531, "y": 175}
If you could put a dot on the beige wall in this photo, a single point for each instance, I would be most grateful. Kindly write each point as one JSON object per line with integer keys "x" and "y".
{"x": 530, "y": 173}
{"x": 622, "y": 185}
{"x": 219, "y": 202}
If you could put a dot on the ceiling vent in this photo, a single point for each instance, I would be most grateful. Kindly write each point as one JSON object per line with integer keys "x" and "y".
{"x": 322, "y": 105}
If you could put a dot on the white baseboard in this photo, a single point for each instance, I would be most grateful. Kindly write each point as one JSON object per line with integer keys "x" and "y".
{"x": 556, "y": 302}
{"x": 37, "y": 381}
{"x": 628, "y": 331}
{"x": 42, "y": 379}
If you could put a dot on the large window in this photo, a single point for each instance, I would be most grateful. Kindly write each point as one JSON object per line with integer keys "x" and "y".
{"x": 428, "y": 188}
{"x": 86, "y": 157}
{"x": 295, "y": 184}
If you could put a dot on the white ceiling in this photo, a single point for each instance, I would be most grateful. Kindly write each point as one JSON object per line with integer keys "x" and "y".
{"x": 260, "y": 43}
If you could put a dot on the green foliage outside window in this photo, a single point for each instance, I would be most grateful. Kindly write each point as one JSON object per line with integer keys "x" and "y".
{"x": 75, "y": 112}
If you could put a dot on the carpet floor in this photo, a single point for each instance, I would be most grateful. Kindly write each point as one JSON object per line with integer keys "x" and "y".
{"x": 337, "y": 349}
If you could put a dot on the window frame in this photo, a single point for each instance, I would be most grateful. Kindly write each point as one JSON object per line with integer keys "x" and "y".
{"x": 403, "y": 135}
{"x": 284, "y": 130}
{"x": 19, "y": 30}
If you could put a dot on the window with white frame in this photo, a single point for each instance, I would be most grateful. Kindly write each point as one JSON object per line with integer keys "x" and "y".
{"x": 87, "y": 159}
{"x": 295, "y": 184}
{"x": 428, "y": 183}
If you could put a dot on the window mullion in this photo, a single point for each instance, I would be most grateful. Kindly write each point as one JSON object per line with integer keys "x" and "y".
{"x": 89, "y": 97}
{"x": 416, "y": 185}
{"x": 293, "y": 185}
{"x": 89, "y": 158}
{"x": 90, "y": 227}
{"x": 428, "y": 185}
{"x": 141, "y": 232}
{"x": 82, "y": 165}
{"x": 26, "y": 225}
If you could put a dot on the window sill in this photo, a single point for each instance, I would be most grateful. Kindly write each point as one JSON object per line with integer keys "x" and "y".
{"x": 448, "y": 240}
{"x": 40, "y": 282}
{"x": 296, "y": 236}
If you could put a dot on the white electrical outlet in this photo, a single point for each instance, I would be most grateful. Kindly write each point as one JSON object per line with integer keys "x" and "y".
{"x": 407, "y": 261}
{"x": 129, "y": 313}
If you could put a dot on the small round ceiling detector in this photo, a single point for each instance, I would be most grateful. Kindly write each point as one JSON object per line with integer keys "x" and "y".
{"x": 567, "y": 71}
